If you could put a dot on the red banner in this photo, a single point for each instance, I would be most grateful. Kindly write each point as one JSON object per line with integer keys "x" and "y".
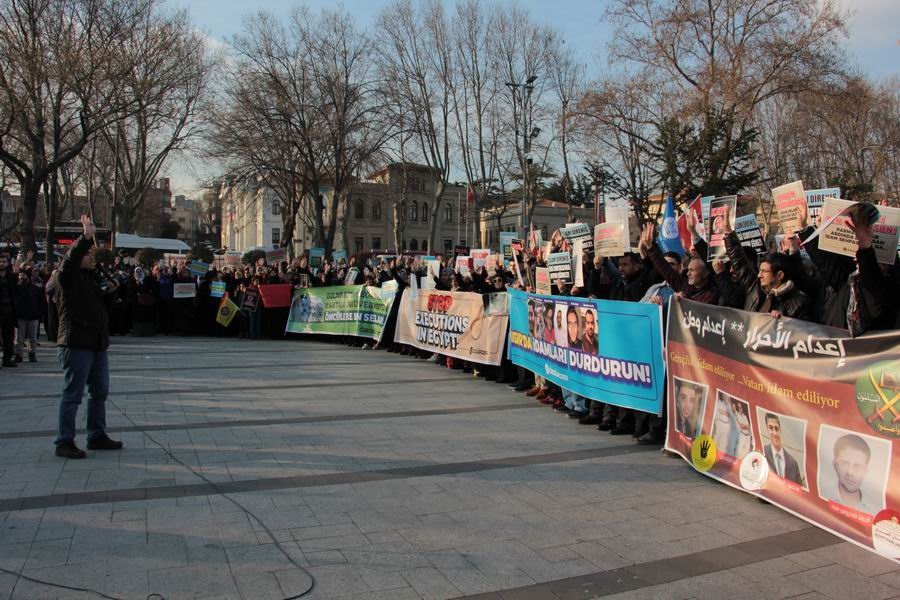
{"x": 276, "y": 295}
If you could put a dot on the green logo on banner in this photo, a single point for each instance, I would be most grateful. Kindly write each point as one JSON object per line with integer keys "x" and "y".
{"x": 878, "y": 397}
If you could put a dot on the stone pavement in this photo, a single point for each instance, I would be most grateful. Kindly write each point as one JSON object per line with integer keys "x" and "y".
{"x": 384, "y": 477}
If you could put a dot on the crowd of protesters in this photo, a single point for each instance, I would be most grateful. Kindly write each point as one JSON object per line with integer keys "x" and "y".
{"x": 856, "y": 294}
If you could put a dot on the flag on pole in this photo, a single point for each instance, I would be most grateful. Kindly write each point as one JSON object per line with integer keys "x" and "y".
{"x": 669, "y": 239}
{"x": 227, "y": 310}
{"x": 470, "y": 195}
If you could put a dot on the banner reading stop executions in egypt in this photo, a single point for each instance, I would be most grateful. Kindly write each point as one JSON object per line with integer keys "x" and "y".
{"x": 796, "y": 413}
{"x": 600, "y": 349}
{"x": 341, "y": 310}
{"x": 463, "y": 325}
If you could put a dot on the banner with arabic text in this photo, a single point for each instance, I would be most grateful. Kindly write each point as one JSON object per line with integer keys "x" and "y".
{"x": 341, "y": 310}
{"x": 463, "y": 325}
{"x": 600, "y": 349}
{"x": 794, "y": 412}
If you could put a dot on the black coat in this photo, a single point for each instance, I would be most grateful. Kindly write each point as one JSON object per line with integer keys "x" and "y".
{"x": 83, "y": 317}
{"x": 29, "y": 301}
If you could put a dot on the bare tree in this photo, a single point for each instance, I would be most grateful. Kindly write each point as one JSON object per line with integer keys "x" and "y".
{"x": 167, "y": 90}
{"x": 566, "y": 75}
{"x": 303, "y": 113}
{"x": 522, "y": 49}
{"x": 60, "y": 64}
{"x": 416, "y": 56}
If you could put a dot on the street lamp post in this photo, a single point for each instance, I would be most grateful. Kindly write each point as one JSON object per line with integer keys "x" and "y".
{"x": 521, "y": 97}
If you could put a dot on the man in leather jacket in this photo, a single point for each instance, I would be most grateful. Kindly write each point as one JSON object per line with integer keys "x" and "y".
{"x": 82, "y": 342}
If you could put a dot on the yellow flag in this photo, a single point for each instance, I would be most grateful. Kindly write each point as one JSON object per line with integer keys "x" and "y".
{"x": 227, "y": 310}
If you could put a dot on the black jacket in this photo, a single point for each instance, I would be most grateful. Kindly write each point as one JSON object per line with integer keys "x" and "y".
{"x": 29, "y": 301}
{"x": 794, "y": 303}
{"x": 83, "y": 317}
{"x": 8, "y": 285}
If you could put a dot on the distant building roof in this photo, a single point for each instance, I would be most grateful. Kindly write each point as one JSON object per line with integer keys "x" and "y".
{"x": 129, "y": 240}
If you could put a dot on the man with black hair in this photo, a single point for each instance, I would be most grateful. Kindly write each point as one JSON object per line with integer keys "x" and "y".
{"x": 7, "y": 309}
{"x": 82, "y": 342}
{"x": 772, "y": 288}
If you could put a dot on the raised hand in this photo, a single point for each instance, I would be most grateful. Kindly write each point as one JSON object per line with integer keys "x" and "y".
{"x": 88, "y": 226}
{"x": 865, "y": 233}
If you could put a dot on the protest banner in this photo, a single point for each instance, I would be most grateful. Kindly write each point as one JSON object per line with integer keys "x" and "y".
{"x": 791, "y": 411}
{"x": 535, "y": 241}
{"x": 198, "y": 268}
{"x": 453, "y": 324}
{"x": 542, "y": 283}
{"x": 276, "y": 295}
{"x": 790, "y": 199}
{"x": 837, "y": 234}
{"x": 579, "y": 231}
{"x": 232, "y": 259}
{"x": 178, "y": 260}
{"x": 517, "y": 266}
{"x": 341, "y": 310}
{"x": 250, "y": 301}
{"x": 226, "y": 313}
{"x": 577, "y": 263}
{"x": 276, "y": 256}
{"x": 631, "y": 231}
{"x": 316, "y": 258}
{"x": 609, "y": 239}
{"x": 749, "y": 233}
{"x": 719, "y": 210}
{"x": 815, "y": 199}
{"x": 184, "y": 290}
{"x": 217, "y": 289}
{"x": 492, "y": 263}
{"x": 560, "y": 266}
{"x": 339, "y": 257}
{"x": 464, "y": 266}
{"x": 601, "y": 349}
{"x": 506, "y": 238}
{"x": 479, "y": 257}
{"x": 460, "y": 250}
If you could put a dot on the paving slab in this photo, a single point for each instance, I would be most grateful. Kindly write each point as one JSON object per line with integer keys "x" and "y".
{"x": 249, "y": 465}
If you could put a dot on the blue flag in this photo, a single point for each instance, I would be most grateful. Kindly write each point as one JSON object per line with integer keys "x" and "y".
{"x": 669, "y": 240}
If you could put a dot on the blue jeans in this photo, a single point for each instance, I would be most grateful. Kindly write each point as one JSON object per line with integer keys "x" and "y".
{"x": 573, "y": 401}
{"x": 83, "y": 367}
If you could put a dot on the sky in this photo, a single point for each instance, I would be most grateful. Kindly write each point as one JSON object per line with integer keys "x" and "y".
{"x": 873, "y": 42}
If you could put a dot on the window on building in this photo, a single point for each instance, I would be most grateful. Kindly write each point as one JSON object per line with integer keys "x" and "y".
{"x": 425, "y": 212}
{"x": 448, "y": 213}
{"x": 448, "y": 246}
{"x": 413, "y": 245}
{"x": 376, "y": 243}
{"x": 414, "y": 211}
{"x": 376, "y": 211}
{"x": 424, "y": 245}
{"x": 359, "y": 243}
{"x": 359, "y": 209}
{"x": 276, "y": 207}
{"x": 276, "y": 235}
{"x": 490, "y": 237}
{"x": 545, "y": 233}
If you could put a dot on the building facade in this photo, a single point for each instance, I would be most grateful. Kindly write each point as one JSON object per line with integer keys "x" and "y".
{"x": 547, "y": 217}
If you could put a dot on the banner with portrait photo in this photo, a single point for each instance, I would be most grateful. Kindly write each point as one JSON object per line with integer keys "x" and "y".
{"x": 601, "y": 349}
{"x": 463, "y": 325}
{"x": 794, "y": 412}
{"x": 341, "y": 310}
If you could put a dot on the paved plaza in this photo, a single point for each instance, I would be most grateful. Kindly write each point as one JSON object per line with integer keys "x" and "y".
{"x": 248, "y": 464}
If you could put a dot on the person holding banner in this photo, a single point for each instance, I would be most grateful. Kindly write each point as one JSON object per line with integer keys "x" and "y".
{"x": 699, "y": 284}
{"x": 772, "y": 289}
{"x": 858, "y": 302}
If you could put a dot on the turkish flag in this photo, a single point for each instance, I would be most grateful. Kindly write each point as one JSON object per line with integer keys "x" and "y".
{"x": 470, "y": 195}
{"x": 687, "y": 237}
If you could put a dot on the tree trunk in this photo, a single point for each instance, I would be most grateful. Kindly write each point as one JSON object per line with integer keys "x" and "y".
{"x": 30, "y": 193}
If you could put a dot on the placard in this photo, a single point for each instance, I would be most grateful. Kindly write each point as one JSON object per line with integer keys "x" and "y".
{"x": 789, "y": 200}
{"x": 839, "y": 237}
{"x": 749, "y": 233}
{"x": 184, "y": 290}
{"x": 560, "y": 266}
{"x": 609, "y": 239}
{"x": 719, "y": 210}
